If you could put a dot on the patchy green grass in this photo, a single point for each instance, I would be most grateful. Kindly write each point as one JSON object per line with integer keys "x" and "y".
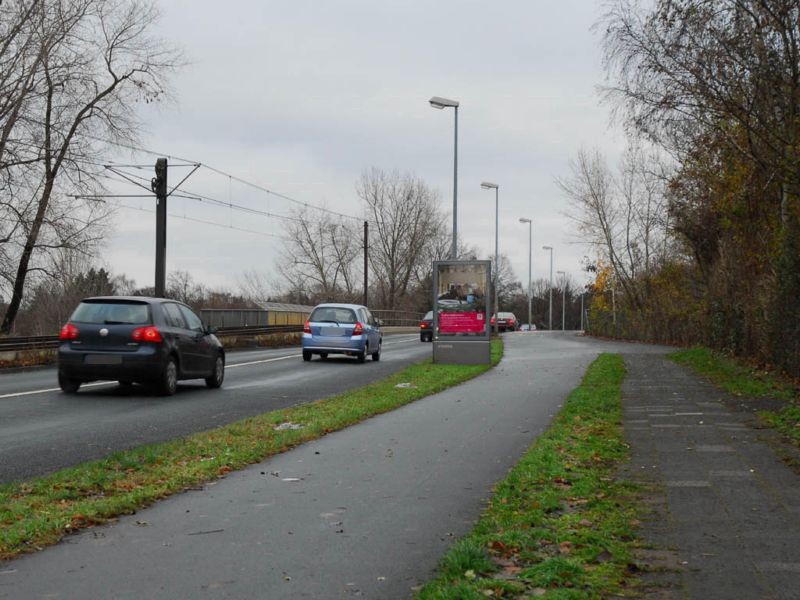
{"x": 733, "y": 375}
{"x": 560, "y": 525}
{"x": 41, "y": 511}
{"x": 741, "y": 379}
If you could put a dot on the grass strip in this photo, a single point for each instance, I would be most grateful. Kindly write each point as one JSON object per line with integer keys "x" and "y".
{"x": 41, "y": 511}
{"x": 560, "y": 525}
{"x": 741, "y": 379}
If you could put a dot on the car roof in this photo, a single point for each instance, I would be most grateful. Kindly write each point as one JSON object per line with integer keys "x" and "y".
{"x": 141, "y": 299}
{"x": 339, "y": 305}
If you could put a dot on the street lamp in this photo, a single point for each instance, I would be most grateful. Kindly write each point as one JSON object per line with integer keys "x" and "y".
{"x": 563, "y": 297}
{"x": 493, "y": 186}
{"x": 440, "y": 103}
{"x": 551, "y": 284}
{"x": 530, "y": 258}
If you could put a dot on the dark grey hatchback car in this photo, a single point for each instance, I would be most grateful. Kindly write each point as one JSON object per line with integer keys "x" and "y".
{"x": 133, "y": 339}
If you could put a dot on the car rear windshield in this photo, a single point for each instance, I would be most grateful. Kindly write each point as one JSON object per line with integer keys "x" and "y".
{"x": 428, "y": 316}
{"x": 110, "y": 313}
{"x": 333, "y": 314}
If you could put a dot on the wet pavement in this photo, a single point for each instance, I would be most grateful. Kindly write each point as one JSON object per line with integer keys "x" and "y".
{"x": 369, "y": 511}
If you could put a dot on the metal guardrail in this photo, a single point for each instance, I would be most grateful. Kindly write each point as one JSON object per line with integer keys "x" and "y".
{"x": 44, "y": 342}
{"x": 399, "y": 318}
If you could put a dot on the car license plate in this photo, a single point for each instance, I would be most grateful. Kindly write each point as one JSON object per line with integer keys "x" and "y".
{"x": 334, "y": 331}
{"x": 102, "y": 359}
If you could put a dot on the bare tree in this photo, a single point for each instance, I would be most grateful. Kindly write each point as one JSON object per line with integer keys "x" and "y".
{"x": 181, "y": 286}
{"x": 319, "y": 257}
{"x": 76, "y": 68}
{"x": 405, "y": 225}
{"x": 255, "y": 286}
{"x": 624, "y": 218}
{"x": 508, "y": 286}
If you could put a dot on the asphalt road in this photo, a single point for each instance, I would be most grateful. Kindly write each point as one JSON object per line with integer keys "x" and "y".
{"x": 364, "y": 512}
{"x": 43, "y": 430}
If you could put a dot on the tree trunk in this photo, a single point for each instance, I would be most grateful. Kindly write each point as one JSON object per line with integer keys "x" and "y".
{"x": 24, "y": 261}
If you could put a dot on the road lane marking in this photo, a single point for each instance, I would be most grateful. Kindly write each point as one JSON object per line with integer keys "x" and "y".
{"x": 30, "y": 393}
{"x": 260, "y": 362}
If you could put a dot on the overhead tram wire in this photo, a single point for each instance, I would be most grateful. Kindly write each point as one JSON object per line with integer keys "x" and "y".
{"x": 233, "y": 177}
{"x": 192, "y": 163}
{"x": 211, "y": 223}
{"x": 190, "y": 195}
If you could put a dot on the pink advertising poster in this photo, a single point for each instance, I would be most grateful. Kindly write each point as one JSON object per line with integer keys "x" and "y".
{"x": 461, "y": 322}
{"x": 461, "y": 299}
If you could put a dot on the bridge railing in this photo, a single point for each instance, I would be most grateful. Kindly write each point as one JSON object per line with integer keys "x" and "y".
{"x": 44, "y": 342}
{"x": 399, "y": 318}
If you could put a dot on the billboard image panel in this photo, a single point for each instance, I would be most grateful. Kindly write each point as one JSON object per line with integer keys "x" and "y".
{"x": 461, "y": 303}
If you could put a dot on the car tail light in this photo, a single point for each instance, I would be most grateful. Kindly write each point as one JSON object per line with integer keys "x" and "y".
{"x": 492, "y": 321}
{"x": 307, "y": 327}
{"x": 69, "y": 332}
{"x": 424, "y": 325}
{"x": 358, "y": 329}
{"x": 511, "y": 321}
{"x": 147, "y": 334}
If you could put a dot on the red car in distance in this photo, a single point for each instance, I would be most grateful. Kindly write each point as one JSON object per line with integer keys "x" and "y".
{"x": 506, "y": 322}
{"x": 426, "y": 327}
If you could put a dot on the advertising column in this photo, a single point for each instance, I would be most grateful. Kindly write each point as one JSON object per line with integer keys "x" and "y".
{"x": 461, "y": 309}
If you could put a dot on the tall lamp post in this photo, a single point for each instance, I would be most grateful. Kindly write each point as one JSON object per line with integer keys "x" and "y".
{"x": 440, "y": 103}
{"x": 530, "y": 258}
{"x": 487, "y": 185}
{"x": 551, "y": 284}
{"x": 563, "y": 298}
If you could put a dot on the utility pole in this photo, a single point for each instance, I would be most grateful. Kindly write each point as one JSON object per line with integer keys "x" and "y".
{"x": 550, "y": 248}
{"x": 563, "y": 298}
{"x": 159, "y": 186}
{"x": 366, "y": 247}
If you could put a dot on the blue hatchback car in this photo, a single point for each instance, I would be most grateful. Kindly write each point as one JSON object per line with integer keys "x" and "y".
{"x": 342, "y": 329}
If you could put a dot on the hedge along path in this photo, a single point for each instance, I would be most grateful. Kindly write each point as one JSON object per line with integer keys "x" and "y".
{"x": 39, "y": 512}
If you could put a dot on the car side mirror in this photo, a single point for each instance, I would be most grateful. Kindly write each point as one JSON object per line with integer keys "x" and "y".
{"x": 379, "y": 322}
{"x": 211, "y": 330}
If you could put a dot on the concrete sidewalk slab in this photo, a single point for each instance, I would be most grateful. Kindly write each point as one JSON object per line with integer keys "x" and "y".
{"x": 725, "y": 508}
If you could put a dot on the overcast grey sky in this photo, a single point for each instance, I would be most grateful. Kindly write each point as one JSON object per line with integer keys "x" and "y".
{"x": 301, "y": 97}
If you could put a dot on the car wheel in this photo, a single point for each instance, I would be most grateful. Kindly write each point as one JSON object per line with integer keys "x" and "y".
{"x": 215, "y": 379}
{"x": 323, "y": 355}
{"x": 362, "y": 356}
{"x": 306, "y": 355}
{"x": 169, "y": 378}
{"x": 377, "y": 355}
{"x": 67, "y": 384}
